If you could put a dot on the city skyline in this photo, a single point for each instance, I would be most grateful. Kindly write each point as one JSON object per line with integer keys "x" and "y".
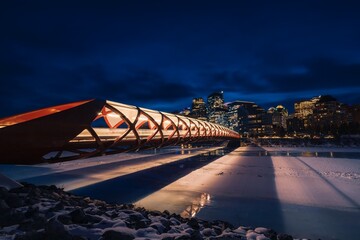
{"x": 268, "y": 106}
{"x": 160, "y": 55}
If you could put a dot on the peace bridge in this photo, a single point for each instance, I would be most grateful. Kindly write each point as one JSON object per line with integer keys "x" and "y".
{"x": 97, "y": 127}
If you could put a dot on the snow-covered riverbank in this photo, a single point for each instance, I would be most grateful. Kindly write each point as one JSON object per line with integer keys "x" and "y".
{"x": 46, "y": 212}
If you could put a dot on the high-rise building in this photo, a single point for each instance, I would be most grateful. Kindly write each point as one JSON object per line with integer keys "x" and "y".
{"x": 355, "y": 113}
{"x": 215, "y": 101}
{"x": 279, "y": 115}
{"x": 248, "y": 119}
{"x": 216, "y": 108}
{"x": 305, "y": 108}
{"x": 198, "y": 109}
{"x": 328, "y": 112}
{"x": 236, "y": 114}
{"x": 294, "y": 125}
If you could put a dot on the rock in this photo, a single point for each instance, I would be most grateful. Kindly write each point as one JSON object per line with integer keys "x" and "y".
{"x": 59, "y": 206}
{"x": 78, "y": 216}
{"x": 166, "y": 223}
{"x": 39, "y": 222}
{"x": 136, "y": 216}
{"x": 218, "y": 230}
{"x": 3, "y": 193}
{"x": 92, "y": 218}
{"x": 196, "y": 235}
{"x": 99, "y": 203}
{"x": 207, "y": 232}
{"x": 142, "y": 223}
{"x": 193, "y": 223}
{"x": 271, "y": 234}
{"x": 183, "y": 237}
{"x": 55, "y": 230}
{"x": 222, "y": 224}
{"x": 26, "y": 225}
{"x": 116, "y": 235}
{"x": 31, "y": 201}
{"x": 11, "y": 217}
{"x": 261, "y": 230}
{"x": 168, "y": 238}
{"x": 251, "y": 235}
{"x": 241, "y": 231}
{"x": 283, "y": 236}
{"x": 78, "y": 238}
{"x": 189, "y": 231}
{"x": 35, "y": 192}
{"x": 64, "y": 219}
{"x": 124, "y": 221}
{"x": 156, "y": 213}
{"x": 32, "y": 235}
{"x": 32, "y": 211}
{"x": 166, "y": 213}
{"x": 176, "y": 216}
{"x": 174, "y": 221}
{"x": 14, "y": 201}
{"x": 141, "y": 233}
{"x": 112, "y": 214}
{"x": 19, "y": 190}
{"x": 158, "y": 226}
{"x": 262, "y": 237}
{"x": 174, "y": 230}
{"x": 127, "y": 206}
{"x": 3, "y": 206}
{"x": 51, "y": 188}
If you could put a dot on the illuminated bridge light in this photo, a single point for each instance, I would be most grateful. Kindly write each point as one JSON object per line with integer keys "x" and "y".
{"x": 97, "y": 127}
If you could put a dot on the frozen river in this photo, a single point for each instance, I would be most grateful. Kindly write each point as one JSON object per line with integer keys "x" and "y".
{"x": 307, "y": 192}
{"x": 313, "y": 197}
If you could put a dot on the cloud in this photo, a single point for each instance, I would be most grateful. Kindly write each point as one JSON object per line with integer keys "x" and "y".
{"x": 60, "y": 85}
{"x": 163, "y": 54}
{"x": 321, "y": 74}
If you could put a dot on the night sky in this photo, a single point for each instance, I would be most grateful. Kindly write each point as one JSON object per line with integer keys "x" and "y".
{"x": 161, "y": 54}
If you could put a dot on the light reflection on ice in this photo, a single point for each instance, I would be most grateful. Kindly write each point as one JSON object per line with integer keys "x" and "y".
{"x": 196, "y": 205}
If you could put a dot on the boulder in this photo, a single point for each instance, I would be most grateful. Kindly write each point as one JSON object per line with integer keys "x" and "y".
{"x": 64, "y": 219}
{"x": 271, "y": 234}
{"x": 283, "y": 236}
{"x": 78, "y": 216}
{"x": 14, "y": 201}
{"x": 32, "y": 235}
{"x": 3, "y": 206}
{"x": 55, "y": 230}
{"x": 11, "y": 217}
{"x": 116, "y": 235}
{"x": 3, "y": 192}
{"x": 196, "y": 235}
{"x": 193, "y": 223}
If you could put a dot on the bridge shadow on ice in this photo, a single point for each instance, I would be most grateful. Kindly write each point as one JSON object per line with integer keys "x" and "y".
{"x": 132, "y": 187}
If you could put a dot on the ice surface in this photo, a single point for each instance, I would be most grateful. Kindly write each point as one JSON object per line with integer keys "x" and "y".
{"x": 309, "y": 196}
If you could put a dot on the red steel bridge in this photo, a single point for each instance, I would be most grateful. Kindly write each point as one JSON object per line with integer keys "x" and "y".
{"x": 97, "y": 127}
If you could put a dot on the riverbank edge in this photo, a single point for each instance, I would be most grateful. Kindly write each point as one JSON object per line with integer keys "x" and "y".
{"x": 49, "y": 212}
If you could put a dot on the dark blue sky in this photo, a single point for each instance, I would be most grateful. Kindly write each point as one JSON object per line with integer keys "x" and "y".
{"x": 161, "y": 54}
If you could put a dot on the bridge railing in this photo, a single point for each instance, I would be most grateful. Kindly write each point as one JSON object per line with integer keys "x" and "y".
{"x": 129, "y": 128}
